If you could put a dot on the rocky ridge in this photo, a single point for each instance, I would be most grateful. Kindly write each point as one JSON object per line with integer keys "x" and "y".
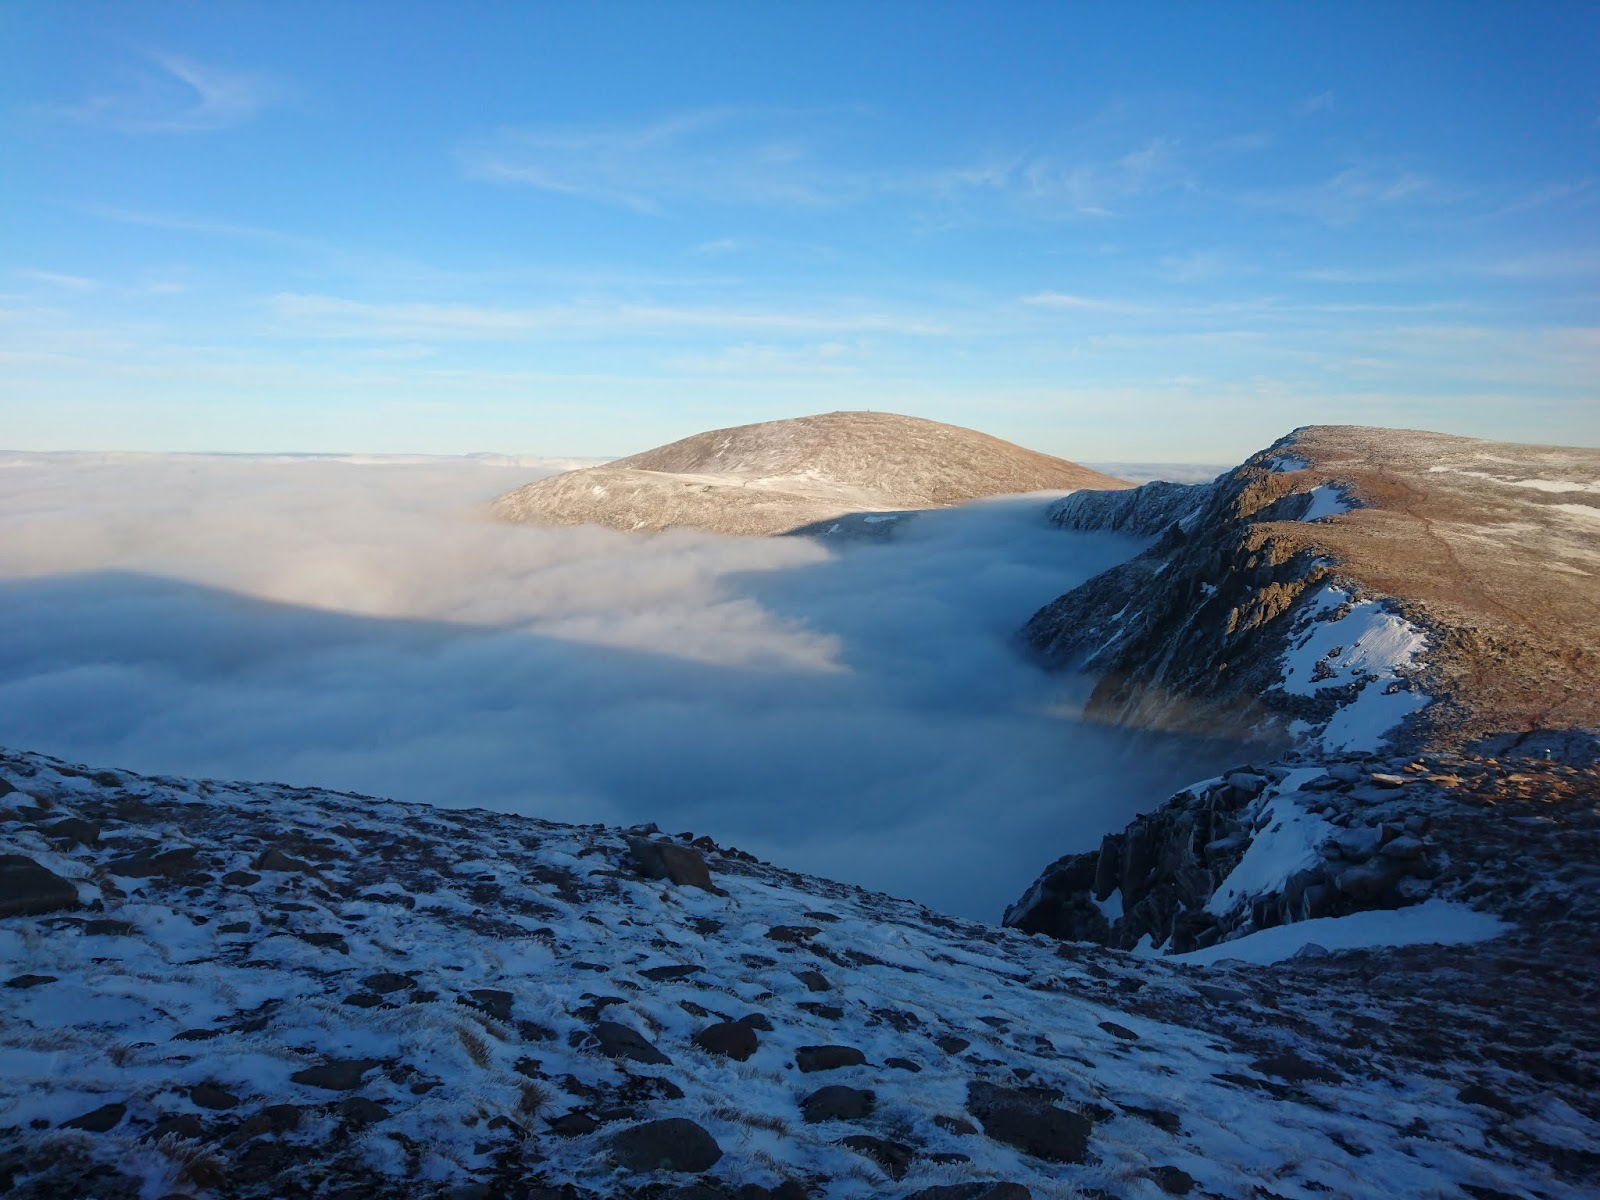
{"x": 798, "y": 475}
{"x": 1261, "y": 607}
{"x": 256, "y": 990}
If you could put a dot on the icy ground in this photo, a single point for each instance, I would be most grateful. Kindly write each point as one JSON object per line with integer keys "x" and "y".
{"x": 861, "y": 711}
{"x": 270, "y": 991}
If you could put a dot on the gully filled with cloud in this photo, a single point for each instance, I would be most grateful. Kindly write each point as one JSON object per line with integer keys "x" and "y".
{"x": 855, "y": 710}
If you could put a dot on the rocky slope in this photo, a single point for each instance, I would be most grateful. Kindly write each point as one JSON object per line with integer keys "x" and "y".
{"x": 784, "y": 476}
{"x": 255, "y": 990}
{"x": 1351, "y": 587}
{"x": 1344, "y": 593}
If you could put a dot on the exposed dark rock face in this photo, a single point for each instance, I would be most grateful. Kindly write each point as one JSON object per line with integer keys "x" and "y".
{"x": 26, "y": 887}
{"x": 1145, "y": 511}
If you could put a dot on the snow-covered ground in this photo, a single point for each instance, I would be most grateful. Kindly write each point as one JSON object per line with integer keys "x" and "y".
{"x": 282, "y": 989}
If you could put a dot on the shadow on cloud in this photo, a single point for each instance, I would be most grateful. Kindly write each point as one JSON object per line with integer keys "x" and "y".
{"x": 858, "y": 711}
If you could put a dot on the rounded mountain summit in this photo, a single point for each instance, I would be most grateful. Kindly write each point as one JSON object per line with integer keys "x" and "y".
{"x": 796, "y": 475}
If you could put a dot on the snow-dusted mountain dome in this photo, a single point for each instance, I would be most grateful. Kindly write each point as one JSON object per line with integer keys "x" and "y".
{"x": 779, "y": 476}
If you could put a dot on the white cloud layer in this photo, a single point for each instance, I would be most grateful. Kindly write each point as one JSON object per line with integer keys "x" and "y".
{"x": 858, "y": 711}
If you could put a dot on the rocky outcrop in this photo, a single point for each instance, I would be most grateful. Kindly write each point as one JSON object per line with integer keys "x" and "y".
{"x": 1263, "y": 847}
{"x": 842, "y": 473}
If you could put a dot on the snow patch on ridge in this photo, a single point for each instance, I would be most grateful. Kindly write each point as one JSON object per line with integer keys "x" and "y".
{"x": 1338, "y": 641}
{"x": 1437, "y": 922}
{"x": 1286, "y": 842}
{"x": 1328, "y": 500}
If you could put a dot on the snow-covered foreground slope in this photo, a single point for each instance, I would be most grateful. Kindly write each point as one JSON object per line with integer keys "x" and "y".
{"x": 255, "y": 990}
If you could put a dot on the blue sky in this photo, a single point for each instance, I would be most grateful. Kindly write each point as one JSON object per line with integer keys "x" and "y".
{"x": 1158, "y": 231}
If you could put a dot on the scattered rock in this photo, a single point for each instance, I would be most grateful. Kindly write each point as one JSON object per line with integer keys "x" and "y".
{"x": 106, "y": 927}
{"x": 1172, "y": 1181}
{"x": 973, "y": 1191}
{"x": 815, "y": 981}
{"x": 75, "y": 830}
{"x": 385, "y": 982}
{"x": 1476, "y": 1093}
{"x": 672, "y": 1144}
{"x": 572, "y": 1124}
{"x": 358, "y": 1110}
{"x": 1026, "y": 1119}
{"x": 101, "y": 1120}
{"x": 209, "y": 1095}
{"x": 894, "y": 1157}
{"x": 731, "y": 1039}
{"x": 166, "y": 864}
{"x": 29, "y": 981}
{"x": 619, "y": 1041}
{"x": 1292, "y": 1068}
{"x": 186, "y": 1125}
{"x": 669, "y": 861}
{"x": 837, "y": 1103}
{"x": 494, "y": 1001}
{"x": 27, "y": 889}
{"x": 336, "y": 1075}
{"x": 1120, "y": 1031}
{"x": 827, "y": 1058}
{"x": 276, "y": 860}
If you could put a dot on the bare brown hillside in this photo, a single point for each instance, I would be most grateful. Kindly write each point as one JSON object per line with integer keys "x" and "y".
{"x": 1496, "y": 544}
{"x": 779, "y": 476}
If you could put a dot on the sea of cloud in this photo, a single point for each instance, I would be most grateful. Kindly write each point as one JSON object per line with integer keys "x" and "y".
{"x": 858, "y": 710}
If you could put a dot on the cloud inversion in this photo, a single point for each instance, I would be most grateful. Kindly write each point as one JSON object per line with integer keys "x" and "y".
{"x": 857, "y": 711}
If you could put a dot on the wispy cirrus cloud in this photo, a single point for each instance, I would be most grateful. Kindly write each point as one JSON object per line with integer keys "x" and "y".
{"x": 725, "y": 156}
{"x": 336, "y": 317}
{"x": 58, "y": 279}
{"x": 790, "y": 159}
{"x": 176, "y": 94}
{"x": 1348, "y": 195}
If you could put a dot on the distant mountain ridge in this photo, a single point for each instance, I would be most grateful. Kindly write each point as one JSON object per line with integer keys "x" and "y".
{"x": 782, "y": 476}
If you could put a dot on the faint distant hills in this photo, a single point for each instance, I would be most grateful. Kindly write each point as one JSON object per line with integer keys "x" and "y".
{"x": 779, "y": 476}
